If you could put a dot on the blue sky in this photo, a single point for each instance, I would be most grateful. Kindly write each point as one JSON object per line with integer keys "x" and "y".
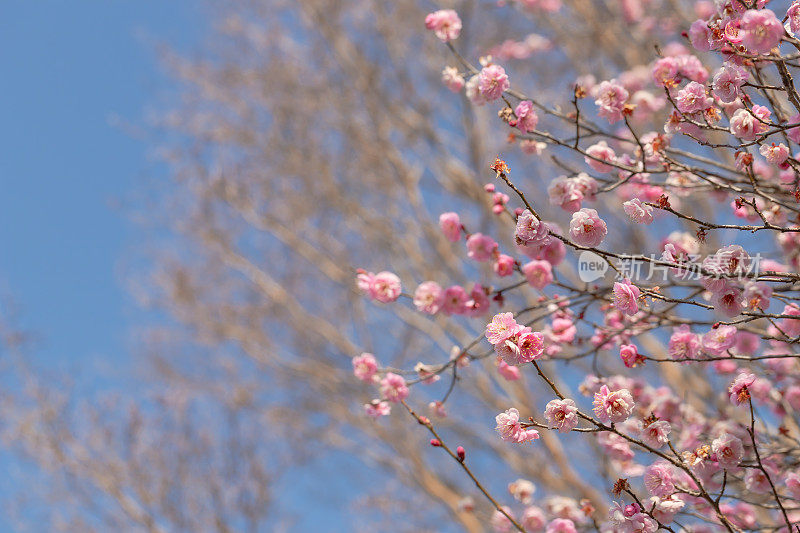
{"x": 69, "y": 68}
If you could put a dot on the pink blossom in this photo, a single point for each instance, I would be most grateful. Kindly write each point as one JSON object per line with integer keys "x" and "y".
{"x": 728, "y": 300}
{"x": 659, "y": 479}
{"x": 455, "y": 301}
{"x": 793, "y": 16}
{"x": 478, "y": 303}
{"x": 503, "y": 265}
{"x": 530, "y": 230}
{"x": 602, "y": 152}
{"x": 445, "y": 24}
{"x": 775, "y": 154}
{"x": 728, "y": 82}
{"x": 365, "y": 366}
{"x": 429, "y": 297}
{"x": 641, "y": 523}
{"x": 792, "y": 482}
{"x": 452, "y": 79}
{"x": 383, "y": 286}
{"x": 566, "y": 193}
{"x": 692, "y": 98}
{"x": 794, "y": 133}
{"x": 656, "y": 434}
{"x": 377, "y": 408}
{"x": 586, "y": 228}
{"x": 561, "y": 414}
{"x": 522, "y": 490}
{"x": 533, "y": 519}
{"x": 683, "y": 344}
{"x": 757, "y": 295}
{"x": 638, "y": 212}
{"x": 738, "y": 390}
{"x": 500, "y": 522}
{"x": 561, "y": 525}
{"x": 509, "y": 427}
{"x": 492, "y": 82}
{"x": 502, "y": 327}
{"x": 665, "y": 72}
{"x": 472, "y": 90}
{"x": 761, "y": 30}
{"x": 480, "y": 247}
{"x": 509, "y": 372}
{"x": 538, "y": 273}
{"x": 393, "y": 388}
{"x": 700, "y": 35}
{"x": 746, "y": 126}
{"x": 791, "y": 326}
{"x": 523, "y": 347}
{"x": 755, "y": 481}
{"x": 451, "y": 226}
{"x": 626, "y": 296}
{"x": 610, "y": 98}
{"x": 630, "y": 355}
{"x": 728, "y": 450}
{"x": 718, "y": 341}
{"x": 527, "y": 119}
{"x": 613, "y": 407}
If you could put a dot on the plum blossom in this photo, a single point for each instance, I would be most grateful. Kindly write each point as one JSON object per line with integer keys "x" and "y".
{"x": 500, "y": 522}
{"x": 365, "y": 366}
{"x": 728, "y": 81}
{"x": 728, "y": 450}
{"x": 522, "y": 490}
{"x": 568, "y": 193}
{"x": 656, "y": 434}
{"x": 626, "y": 296}
{"x": 792, "y": 483}
{"x": 429, "y": 297}
{"x": 527, "y": 119}
{"x": 445, "y": 24}
{"x": 700, "y": 35}
{"x": 777, "y": 154}
{"x": 530, "y": 230}
{"x": 533, "y": 519}
{"x": 502, "y": 327}
{"x": 561, "y": 414}
{"x": 761, "y": 30}
{"x": 638, "y": 212}
{"x": 539, "y": 273}
{"x": 393, "y": 388}
{"x": 630, "y": 355}
{"x": 587, "y": 228}
{"x": 603, "y": 152}
{"x": 492, "y": 82}
{"x": 659, "y": 479}
{"x": 383, "y": 286}
{"x": 451, "y": 226}
{"x": 746, "y": 125}
{"x": 793, "y": 15}
{"x": 613, "y": 406}
{"x": 377, "y": 408}
{"x": 561, "y": 525}
{"x": 504, "y": 265}
{"x": 738, "y": 390}
{"x": 480, "y": 247}
{"x": 509, "y": 427}
{"x": 683, "y": 344}
{"x": 610, "y": 99}
{"x": 455, "y": 301}
{"x": 452, "y": 79}
{"x": 692, "y": 98}
{"x": 718, "y": 340}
